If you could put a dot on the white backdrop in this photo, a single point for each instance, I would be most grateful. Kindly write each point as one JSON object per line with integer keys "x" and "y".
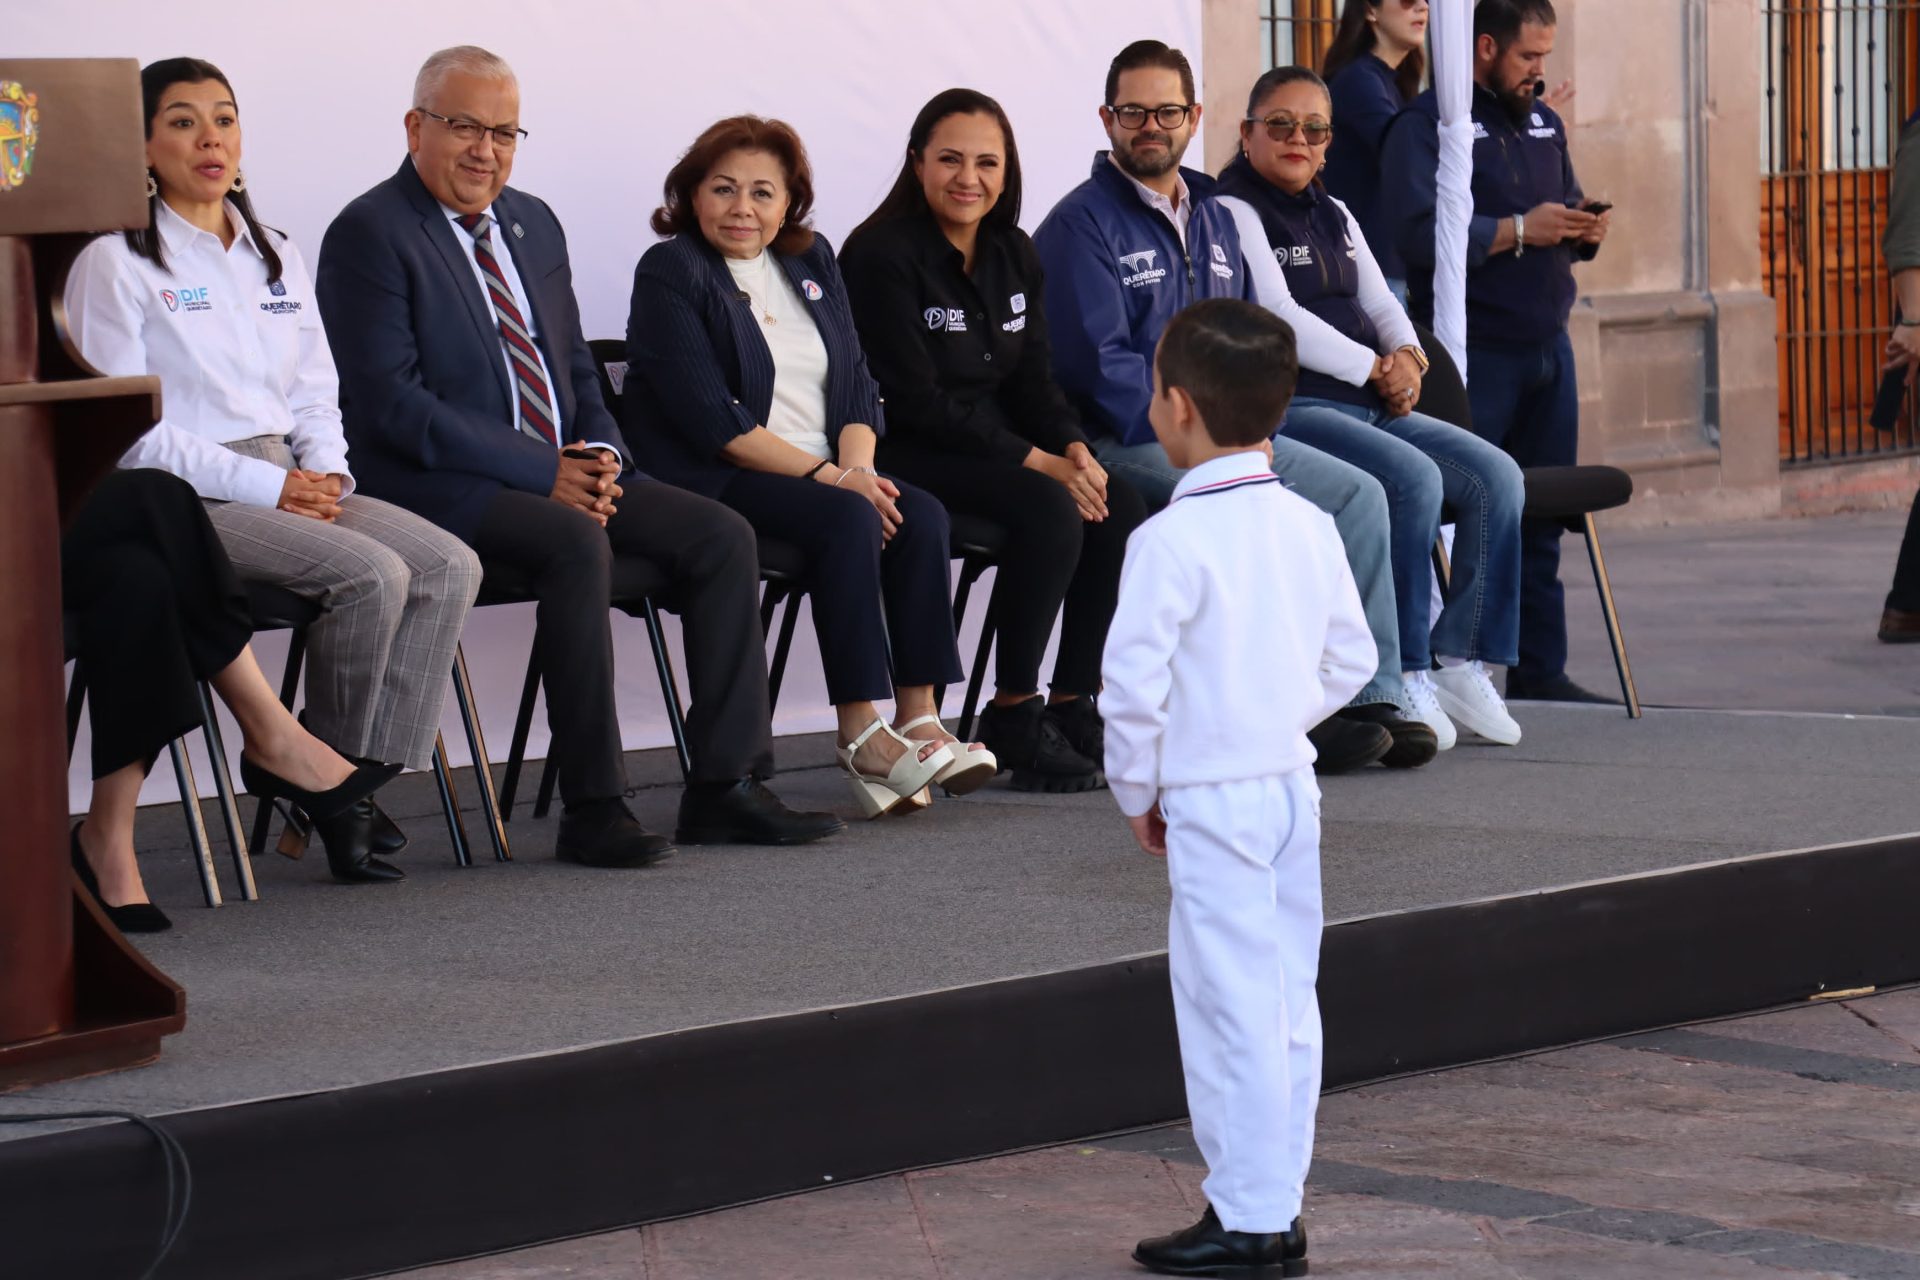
{"x": 611, "y": 94}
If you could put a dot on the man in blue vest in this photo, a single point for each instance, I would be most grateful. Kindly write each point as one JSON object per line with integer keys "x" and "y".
{"x": 1123, "y": 252}
{"x": 1531, "y": 223}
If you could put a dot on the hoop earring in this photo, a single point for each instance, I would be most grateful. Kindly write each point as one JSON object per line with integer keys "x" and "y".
{"x": 153, "y": 187}
{"x": 239, "y": 181}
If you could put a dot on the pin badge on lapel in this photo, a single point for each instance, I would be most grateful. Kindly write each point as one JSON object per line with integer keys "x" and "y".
{"x": 519, "y": 231}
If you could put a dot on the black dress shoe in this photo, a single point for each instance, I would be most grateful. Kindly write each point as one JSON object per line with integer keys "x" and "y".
{"x": 1341, "y": 746}
{"x": 1413, "y": 742}
{"x": 1899, "y": 626}
{"x": 1553, "y": 689}
{"x": 360, "y": 784}
{"x": 132, "y": 917}
{"x": 604, "y": 833}
{"x": 745, "y": 812}
{"x": 386, "y": 838}
{"x": 348, "y": 837}
{"x": 1208, "y": 1249}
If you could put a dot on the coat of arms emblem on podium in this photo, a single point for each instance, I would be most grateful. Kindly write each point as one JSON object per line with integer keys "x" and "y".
{"x": 19, "y": 130}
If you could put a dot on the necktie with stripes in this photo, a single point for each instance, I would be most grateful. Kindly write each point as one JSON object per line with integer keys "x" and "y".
{"x": 523, "y": 358}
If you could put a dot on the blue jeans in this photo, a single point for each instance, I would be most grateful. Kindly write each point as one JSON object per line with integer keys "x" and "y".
{"x": 1525, "y": 400}
{"x": 1423, "y": 463}
{"x": 1352, "y": 497}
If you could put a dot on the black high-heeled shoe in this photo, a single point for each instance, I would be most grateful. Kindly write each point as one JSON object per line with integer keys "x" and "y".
{"x": 134, "y": 917}
{"x": 348, "y": 837}
{"x": 360, "y": 784}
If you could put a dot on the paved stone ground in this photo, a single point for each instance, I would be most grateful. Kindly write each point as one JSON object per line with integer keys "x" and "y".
{"x": 1780, "y": 1145}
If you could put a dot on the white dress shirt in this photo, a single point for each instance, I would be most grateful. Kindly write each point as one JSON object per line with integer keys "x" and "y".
{"x": 1238, "y": 628}
{"x": 1323, "y": 348}
{"x": 799, "y": 412}
{"x": 1178, "y": 209}
{"x": 236, "y": 357}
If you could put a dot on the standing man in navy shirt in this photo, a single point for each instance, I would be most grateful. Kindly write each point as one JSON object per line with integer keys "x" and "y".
{"x": 1531, "y": 223}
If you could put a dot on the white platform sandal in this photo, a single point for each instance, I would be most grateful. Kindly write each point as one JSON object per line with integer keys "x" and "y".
{"x": 878, "y": 793}
{"x": 973, "y": 765}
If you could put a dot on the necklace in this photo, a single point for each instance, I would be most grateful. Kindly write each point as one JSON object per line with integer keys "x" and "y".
{"x": 766, "y": 283}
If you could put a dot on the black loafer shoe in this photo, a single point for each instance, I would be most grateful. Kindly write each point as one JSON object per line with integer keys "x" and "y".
{"x": 348, "y": 837}
{"x": 1341, "y": 746}
{"x": 1899, "y": 626}
{"x": 1413, "y": 742}
{"x": 604, "y": 833}
{"x": 1208, "y": 1249}
{"x": 1553, "y": 689}
{"x": 745, "y": 812}
{"x": 1028, "y": 741}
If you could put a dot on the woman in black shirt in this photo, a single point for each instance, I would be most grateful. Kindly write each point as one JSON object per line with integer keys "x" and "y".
{"x": 946, "y": 291}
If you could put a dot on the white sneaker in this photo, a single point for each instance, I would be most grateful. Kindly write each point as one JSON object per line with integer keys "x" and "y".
{"x": 1465, "y": 693}
{"x": 1426, "y": 709}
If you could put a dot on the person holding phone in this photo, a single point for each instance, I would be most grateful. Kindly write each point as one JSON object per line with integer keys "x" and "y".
{"x": 1531, "y": 223}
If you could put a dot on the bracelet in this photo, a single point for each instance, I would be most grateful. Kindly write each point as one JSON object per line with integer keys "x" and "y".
{"x": 1906, "y": 324}
{"x": 1519, "y": 235}
{"x": 847, "y": 471}
{"x": 814, "y": 470}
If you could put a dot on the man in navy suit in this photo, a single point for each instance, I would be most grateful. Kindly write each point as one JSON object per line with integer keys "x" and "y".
{"x": 470, "y": 397}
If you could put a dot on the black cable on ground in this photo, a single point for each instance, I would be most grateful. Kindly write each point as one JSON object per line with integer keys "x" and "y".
{"x": 179, "y": 1172}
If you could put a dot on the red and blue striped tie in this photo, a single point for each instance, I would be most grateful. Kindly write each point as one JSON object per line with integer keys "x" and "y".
{"x": 523, "y": 358}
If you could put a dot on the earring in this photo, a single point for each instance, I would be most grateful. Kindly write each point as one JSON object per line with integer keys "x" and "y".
{"x": 153, "y": 188}
{"x": 239, "y": 181}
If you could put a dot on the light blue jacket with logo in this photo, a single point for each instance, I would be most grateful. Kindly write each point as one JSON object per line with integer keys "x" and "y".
{"x": 1116, "y": 275}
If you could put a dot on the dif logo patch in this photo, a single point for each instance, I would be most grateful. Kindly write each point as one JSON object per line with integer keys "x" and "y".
{"x": 186, "y": 299}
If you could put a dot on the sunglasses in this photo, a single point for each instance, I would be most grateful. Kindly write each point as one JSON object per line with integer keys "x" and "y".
{"x": 1281, "y": 128}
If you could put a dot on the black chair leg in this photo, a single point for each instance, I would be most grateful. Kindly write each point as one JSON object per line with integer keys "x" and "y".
{"x": 289, "y": 685}
{"x": 196, "y": 824}
{"x": 223, "y": 783}
{"x": 976, "y": 678}
{"x": 669, "y": 688}
{"x": 1629, "y": 694}
{"x": 1442, "y": 568}
{"x": 549, "y": 778}
{"x": 477, "y": 751}
{"x": 450, "y": 802}
{"x": 76, "y": 698}
{"x": 778, "y": 670}
{"x": 522, "y": 726}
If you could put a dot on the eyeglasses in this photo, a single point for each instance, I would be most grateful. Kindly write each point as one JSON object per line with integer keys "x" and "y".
{"x": 1171, "y": 116}
{"x": 469, "y": 131}
{"x": 1281, "y": 128}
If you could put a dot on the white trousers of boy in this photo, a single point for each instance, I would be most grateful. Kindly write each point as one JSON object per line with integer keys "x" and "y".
{"x": 1243, "y": 946}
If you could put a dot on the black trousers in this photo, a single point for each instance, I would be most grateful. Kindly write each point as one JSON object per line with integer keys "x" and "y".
{"x": 1054, "y": 559}
{"x": 880, "y": 610}
{"x": 707, "y": 557}
{"x": 1905, "y": 595}
{"x": 156, "y": 607}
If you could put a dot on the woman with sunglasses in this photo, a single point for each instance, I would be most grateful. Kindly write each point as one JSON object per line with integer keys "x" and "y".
{"x": 1360, "y": 370}
{"x": 1373, "y": 70}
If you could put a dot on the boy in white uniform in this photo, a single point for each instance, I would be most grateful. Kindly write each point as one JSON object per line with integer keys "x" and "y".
{"x": 1238, "y": 628}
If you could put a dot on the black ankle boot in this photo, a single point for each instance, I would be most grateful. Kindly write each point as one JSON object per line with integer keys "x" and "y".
{"x": 348, "y": 836}
{"x": 1028, "y": 741}
{"x": 1080, "y": 722}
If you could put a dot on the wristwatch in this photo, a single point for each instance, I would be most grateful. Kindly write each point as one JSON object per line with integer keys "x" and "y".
{"x": 1519, "y": 235}
{"x": 1419, "y": 357}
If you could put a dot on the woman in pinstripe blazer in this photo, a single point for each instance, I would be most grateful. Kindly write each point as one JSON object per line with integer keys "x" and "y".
{"x": 746, "y": 383}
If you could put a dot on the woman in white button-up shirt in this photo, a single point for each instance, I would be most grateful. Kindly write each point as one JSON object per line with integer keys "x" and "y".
{"x": 222, "y": 310}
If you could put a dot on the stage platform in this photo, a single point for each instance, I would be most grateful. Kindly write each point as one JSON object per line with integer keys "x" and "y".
{"x": 321, "y": 986}
{"x": 376, "y": 1078}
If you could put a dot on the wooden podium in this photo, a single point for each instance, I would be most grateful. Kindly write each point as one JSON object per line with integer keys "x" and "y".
{"x": 75, "y": 997}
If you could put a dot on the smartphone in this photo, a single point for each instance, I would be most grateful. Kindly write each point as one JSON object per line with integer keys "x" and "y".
{"x": 1596, "y": 207}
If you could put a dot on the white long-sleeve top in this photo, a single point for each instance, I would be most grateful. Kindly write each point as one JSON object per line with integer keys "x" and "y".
{"x": 236, "y": 356}
{"x": 1238, "y": 628}
{"x": 1323, "y": 348}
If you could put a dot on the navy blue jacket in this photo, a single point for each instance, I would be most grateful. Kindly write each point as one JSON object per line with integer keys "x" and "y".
{"x": 699, "y": 371}
{"x": 1116, "y": 274}
{"x": 1517, "y": 164}
{"x": 1365, "y": 101}
{"x": 1308, "y": 233}
{"x": 423, "y": 384}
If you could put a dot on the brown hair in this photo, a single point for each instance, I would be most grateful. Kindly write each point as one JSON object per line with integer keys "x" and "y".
{"x": 1236, "y": 360}
{"x": 776, "y": 138}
